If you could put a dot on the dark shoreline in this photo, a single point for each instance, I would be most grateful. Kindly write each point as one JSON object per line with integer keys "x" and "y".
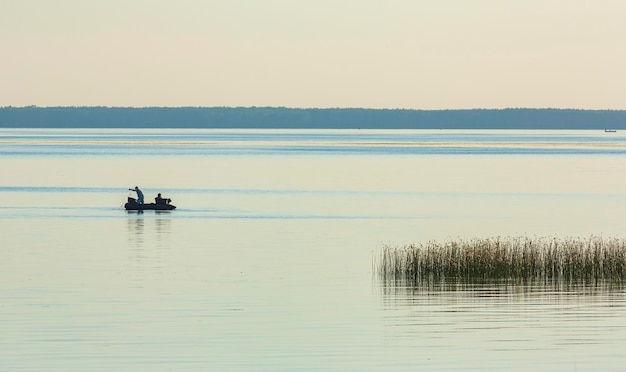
{"x": 309, "y": 118}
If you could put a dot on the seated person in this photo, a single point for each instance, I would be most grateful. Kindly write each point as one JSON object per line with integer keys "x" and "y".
{"x": 159, "y": 200}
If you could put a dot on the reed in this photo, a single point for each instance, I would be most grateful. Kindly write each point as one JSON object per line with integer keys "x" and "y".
{"x": 506, "y": 258}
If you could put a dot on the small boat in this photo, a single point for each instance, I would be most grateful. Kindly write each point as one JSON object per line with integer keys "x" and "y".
{"x": 132, "y": 205}
{"x": 610, "y": 130}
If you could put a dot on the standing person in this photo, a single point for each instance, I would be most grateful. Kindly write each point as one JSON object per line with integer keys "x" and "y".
{"x": 139, "y": 194}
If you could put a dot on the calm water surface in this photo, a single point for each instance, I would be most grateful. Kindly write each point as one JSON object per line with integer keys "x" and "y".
{"x": 267, "y": 264}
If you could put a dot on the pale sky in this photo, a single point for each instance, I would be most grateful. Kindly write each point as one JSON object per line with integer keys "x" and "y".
{"x": 420, "y": 54}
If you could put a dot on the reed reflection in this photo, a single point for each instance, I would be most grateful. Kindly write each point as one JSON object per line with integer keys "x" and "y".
{"x": 495, "y": 288}
{"x": 531, "y": 318}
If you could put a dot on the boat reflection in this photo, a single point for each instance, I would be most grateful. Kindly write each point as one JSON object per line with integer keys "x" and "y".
{"x": 149, "y": 229}
{"x": 148, "y": 244}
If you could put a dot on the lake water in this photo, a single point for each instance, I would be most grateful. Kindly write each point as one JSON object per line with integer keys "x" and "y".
{"x": 268, "y": 261}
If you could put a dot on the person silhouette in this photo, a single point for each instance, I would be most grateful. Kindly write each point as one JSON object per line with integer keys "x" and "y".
{"x": 139, "y": 194}
{"x": 161, "y": 200}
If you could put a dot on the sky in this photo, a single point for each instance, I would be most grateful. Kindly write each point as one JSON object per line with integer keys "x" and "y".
{"x": 414, "y": 54}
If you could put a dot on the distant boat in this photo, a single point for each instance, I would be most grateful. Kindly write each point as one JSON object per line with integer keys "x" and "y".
{"x": 610, "y": 131}
{"x": 132, "y": 205}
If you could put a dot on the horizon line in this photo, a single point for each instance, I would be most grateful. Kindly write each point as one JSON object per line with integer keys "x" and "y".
{"x": 308, "y": 108}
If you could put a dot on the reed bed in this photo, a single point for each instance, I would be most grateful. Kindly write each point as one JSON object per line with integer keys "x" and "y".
{"x": 509, "y": 258}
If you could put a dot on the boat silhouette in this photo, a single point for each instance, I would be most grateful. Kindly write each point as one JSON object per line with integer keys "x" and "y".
{"x": 164, "y": 205}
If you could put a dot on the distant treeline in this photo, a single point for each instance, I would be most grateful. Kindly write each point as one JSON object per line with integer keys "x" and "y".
{"x": 281, "y": 117}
